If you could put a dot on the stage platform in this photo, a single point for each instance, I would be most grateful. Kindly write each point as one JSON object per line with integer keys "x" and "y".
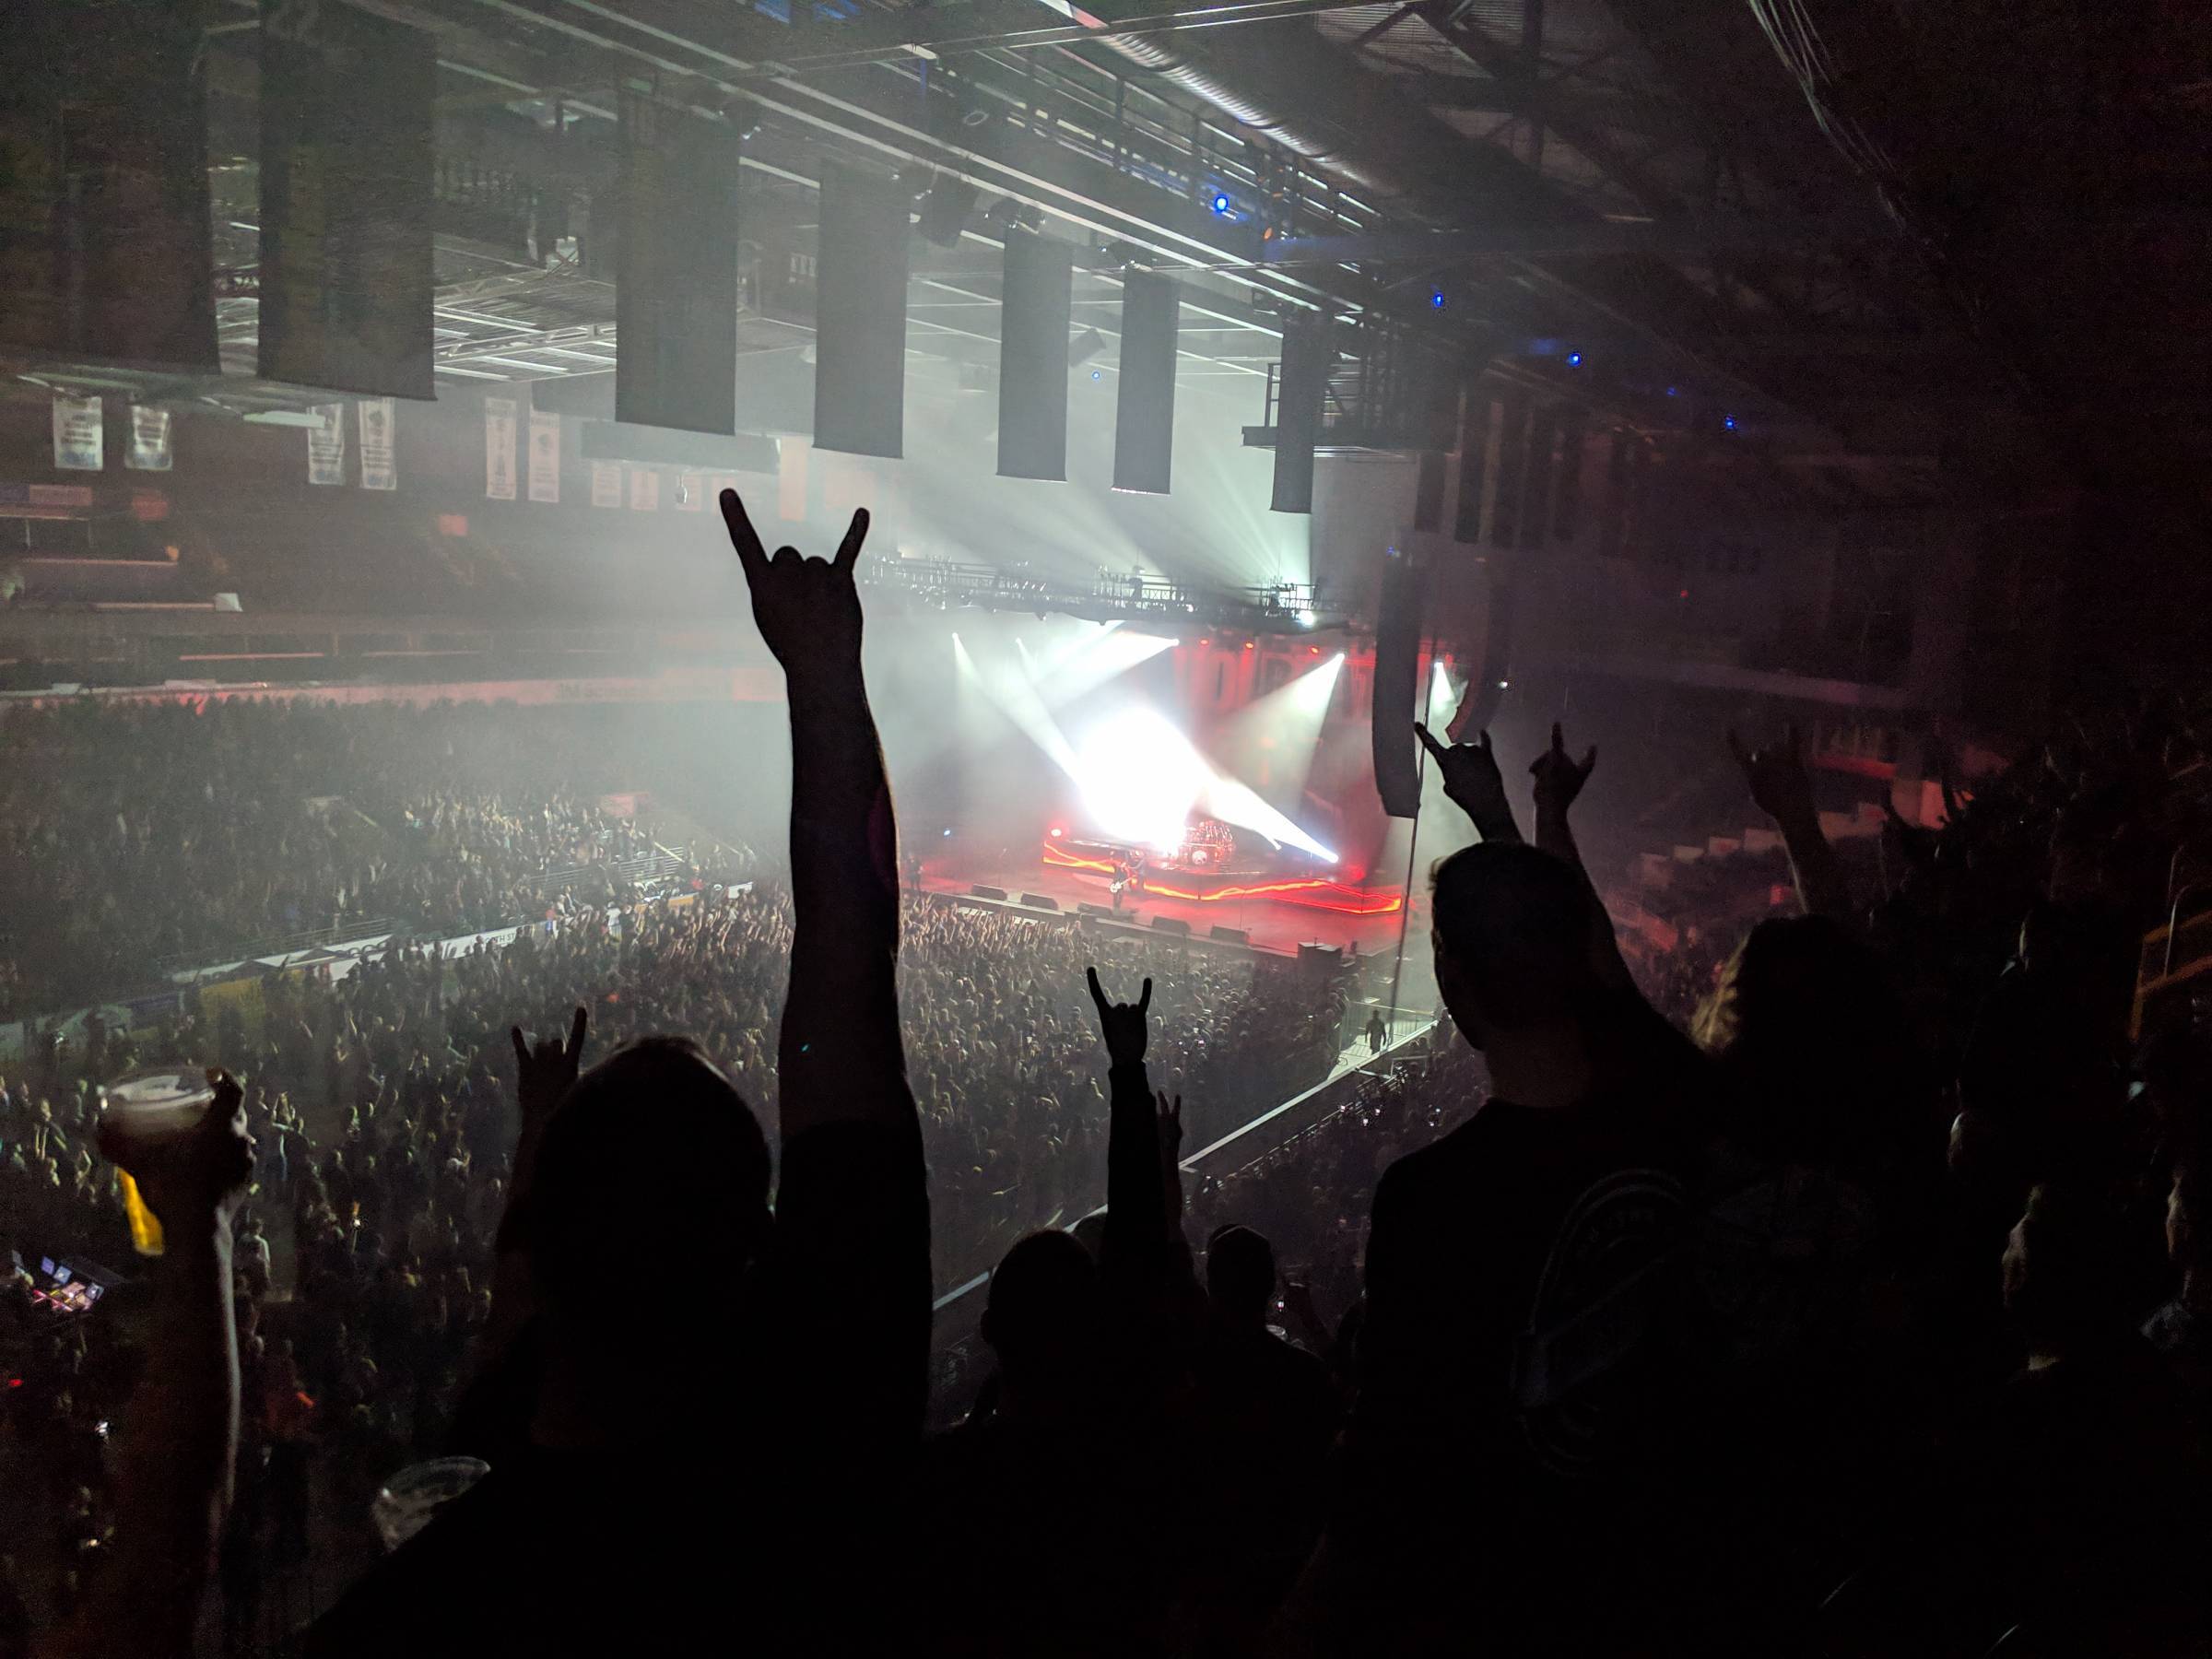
{"x": 1268, "y": 921}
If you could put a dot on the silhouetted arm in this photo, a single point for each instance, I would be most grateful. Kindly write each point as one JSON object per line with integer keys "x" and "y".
{"x": 494, "y": 1410}
{"x": 1560, "y": 778}
{"x": 1782, "y": 788}
{"x": 851, "y": 1243}
{"x": 1135, "y": 1197}
{"x": 1167, "y": 1124}
{"x": 179, "y": 1440}
{"x": 840, "y": 1056}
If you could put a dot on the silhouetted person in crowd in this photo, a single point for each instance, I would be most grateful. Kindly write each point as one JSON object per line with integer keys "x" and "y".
{"x": 2082, "y": 1490}
{"x": 1815, "y": 1062}
{"x": 1266, "y": 1415}
{"x": 2182, "y": 1327}
{"x": 748, "y": 1385}
{"x": 1496, "y": 1489}
{"x": 1050, "y": 1528}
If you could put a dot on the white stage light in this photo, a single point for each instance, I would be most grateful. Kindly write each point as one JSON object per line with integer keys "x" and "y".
{"x": 1237, "y": 803}
{"x": 1274, "y": 738}
{"x": 1139, "y": 778}
{"x": 1013, "y": 695}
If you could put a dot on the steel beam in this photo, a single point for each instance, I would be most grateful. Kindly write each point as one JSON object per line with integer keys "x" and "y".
{"x": 1688, "y": 235}
{"x": 1012, "y": 25}
{"x": 885, "y": 118}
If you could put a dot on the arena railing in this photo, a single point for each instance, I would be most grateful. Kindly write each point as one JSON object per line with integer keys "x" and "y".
{"x": 956, "y": 1314}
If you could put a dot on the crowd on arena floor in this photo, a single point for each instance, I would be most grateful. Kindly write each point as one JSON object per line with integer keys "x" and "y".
{"x": 1871, "y": 1313}
{"x": 180, "y": 831}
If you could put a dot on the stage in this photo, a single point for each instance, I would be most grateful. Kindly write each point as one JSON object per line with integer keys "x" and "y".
{"x": 1272, "y": 913}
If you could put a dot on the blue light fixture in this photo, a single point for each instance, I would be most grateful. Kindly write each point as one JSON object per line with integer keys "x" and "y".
{"x": 1728, "y": 421}
{"x": 1674, "y": 391}
{"x": 1436, "y": 299}
{"x": 1221, "y": 205}
{"x": 1574, "y": 360}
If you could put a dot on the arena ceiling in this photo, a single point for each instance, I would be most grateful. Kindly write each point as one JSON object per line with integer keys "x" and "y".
{"x": 1653, "y": 206}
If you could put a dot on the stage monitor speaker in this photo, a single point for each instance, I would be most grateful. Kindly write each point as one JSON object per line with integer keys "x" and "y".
{"x": 860, "y": 315}
{"x": 1040, "y": 901}
{"x": 1144, "y": 411}
{"x": 1098, "y": 912}
{"x": 980, "y": 892}
{"x": 945, "y": 210}
{"x": 1171, "y": 925}
{"x": 1228, "y": 935}
{"x": 1301, "y": 387}
{"x": 675, "y": 287}
{"x": 1397, "y": 668}
{"x": 1032, "y": 359}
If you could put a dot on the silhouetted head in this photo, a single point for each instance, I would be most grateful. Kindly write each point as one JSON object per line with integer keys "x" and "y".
{"x": 1807, "y": 1026}
{"x": 1239, "y": 1274}
{"x": 1041, "y": 1313}
{"x": 1090, "y": 1232}
{"x": 1793, "y": 978}
{"x": 650, "y": 1196}
{"x": 1513, "y": 936}
{"x": 2189, "y": 1218}
{"x": 2062, "y": 1271}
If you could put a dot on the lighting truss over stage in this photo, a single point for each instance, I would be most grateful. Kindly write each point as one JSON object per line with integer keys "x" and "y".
{"x": 938, "y": 585}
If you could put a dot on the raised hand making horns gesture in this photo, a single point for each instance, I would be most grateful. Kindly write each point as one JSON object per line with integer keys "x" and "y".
{"x": 1472, "y": 783}
{"x": 807, "y": 609}
{"x": 1560, "y": 776}
{"x": 1122, "y": 1024}
{"x": 1781, "y": 786}
{"x": 544, "y": 1073}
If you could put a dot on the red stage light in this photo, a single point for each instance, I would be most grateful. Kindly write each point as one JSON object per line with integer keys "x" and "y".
{"x": 1057, "y": 832}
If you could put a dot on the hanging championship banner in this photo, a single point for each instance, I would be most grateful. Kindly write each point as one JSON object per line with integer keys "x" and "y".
{"x": 149, "y": 440}
{"x": 607, "y": 484}
{"x": 691, "y": 492}
{"x": 380, "y": 460}
{"x": 644, "y": 490}
{"x": 545, "y": 456}
{"x": 79, "y": 445}
{"x": 498, "y": 449}
{"x": 326, "y": 445}
{"x": 348, "y": 112}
